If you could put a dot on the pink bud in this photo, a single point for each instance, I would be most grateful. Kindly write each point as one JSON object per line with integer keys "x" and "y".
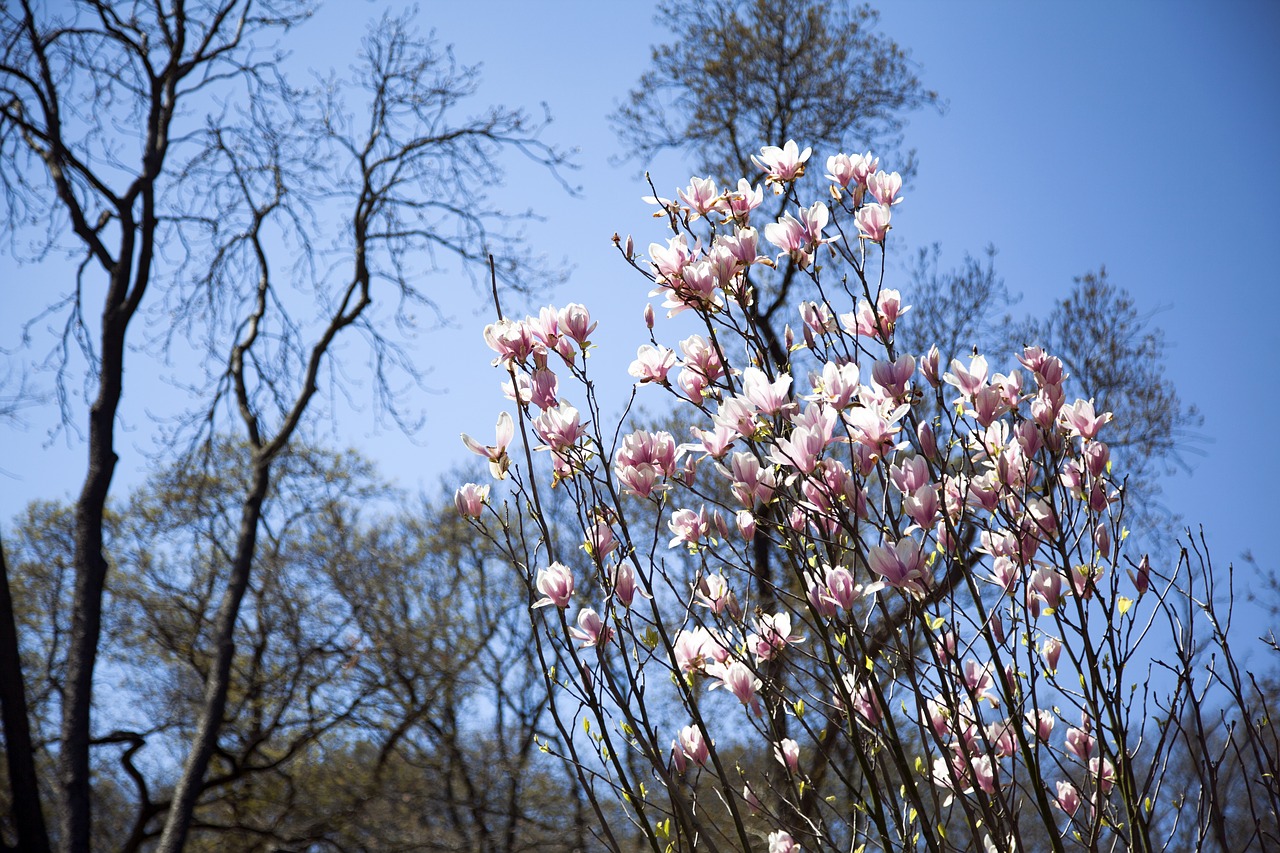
{"x": 928, "y": 443}
{"x": 1102, "y": 538}
{"x": 648, "y": 315}
{"x": 1068, "y": 798}
{"x": 1142, "y": 579}
{"x": 693, "y": 745}
{"x": 470, "y": 499}
{"x": 1052, "y": 652}
{"x": 929, "y": 366}
{"x": 746, "y": 524}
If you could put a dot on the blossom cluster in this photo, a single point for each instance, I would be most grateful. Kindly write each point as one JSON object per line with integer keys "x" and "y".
{"x": 845, "y": 538}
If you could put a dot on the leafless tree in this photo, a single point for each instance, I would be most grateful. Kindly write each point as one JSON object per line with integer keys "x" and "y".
{"x": 161, "y": 144}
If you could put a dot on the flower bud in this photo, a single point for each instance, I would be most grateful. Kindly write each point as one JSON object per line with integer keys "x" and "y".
{"x": 929, "y": 366}
{"x": 928, "y": 443}
{"x": 1102, "y": 538}
{"x": 648, "y": 316}
{"x": 1142, "y": 578}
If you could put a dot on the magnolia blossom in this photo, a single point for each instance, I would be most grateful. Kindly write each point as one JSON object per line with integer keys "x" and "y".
{"x": 845, "y": 170}
{"x": 773, "y": 635}
{"x": 743, "y": 200}
{"x": 701, "y": 196}
{"x": 768, "y": 397}
{"x": 496, "y": 453}
{"x": 873, "y": 221}
{"x": 688, "y": 526}
{"x": 1079, "y": 419}
{"x": 902, "y": 565}
{"x": 652, "y": 363}
{"x": 738, "y": 679}
{"x": 690, "y": 746}
{"x": 470, "y": 499}
{"x": 1068, "y": 797}
{"x": 625, "y": 587}
{"x": 884, "y": 187}
{"x": 782, "y": 842}
{"x": 644, "y": 460}
{"x": 556, "y": 585}
{"x": 787, "y": 751}
{"x": 782, "y": 164}
{"x": 559, "y": 427}
{"x": 575, "y": 322}
{"x": 591, "y": 629}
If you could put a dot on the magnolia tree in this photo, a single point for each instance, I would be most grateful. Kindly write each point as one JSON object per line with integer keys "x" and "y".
{"x": 858, "y": 600}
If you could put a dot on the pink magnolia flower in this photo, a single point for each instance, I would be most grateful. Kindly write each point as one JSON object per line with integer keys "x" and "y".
{"x": 790, "y": 236}
{"x": 901, "y": 565}
{"x": 746, "y": 524}
{"x": 715, "y": 442}
{"x": 600, "y": 541}
{"x": 575, "y": 321}
{"x": 496, "y": 453}
{"x": 743, "y": 247}
{"x": 559, "y": 427}
{"x": 644, "y": 460}
{"x": 909, "y": 473}
{"x": 751, "y": 481}
{"x": 738, "y": 679}
{"x": 839, "y": 589}
{"x": 668, "y": 261}
{"x": 512, "y": 341}
{"x": 782, "y": 842}
{"x": 470, "y": 499}
{"x": 873, "y": 221}
{"x": 743, "y": 200}
{"x": 543, "y": 387}
{"x": 1068, "y": 798}
{"x": 773, "y": 633}
{"x": 1142, "y": 578}
{"x": 556, "y": 585}
{"x": 1103, "y": 772}
{"x": 738, "y": 415}
{"x": 652, "y": 363}
{"x": 787, "y": 751}
{"x": 688, "y": 526}
{"x": 884, "y": 187}
{"x": 842, "y": 172}
{"x": 894, "y": 376}
{"x": 968, "y": 381}
{"x": 866, "y": 703}
{"x": 1046, "y": 584}
{"x": 1079, "y": 419}
{"x": 1080, "y": 743}
{"x": 701, "y": 196}
{"x": 838, "y": 384}
{"x": 625, "y": 587}
{"x": 800, "y": 450}
{"x": 693, "y": 745}
{"x": 768, "y": 397}
{"x": 591, "y": 629}
{"x": 1040, "y": 724}
{"x": 713, "y": 592}
{"x": 782, "y": 164}
{"x": 817, "y": 318}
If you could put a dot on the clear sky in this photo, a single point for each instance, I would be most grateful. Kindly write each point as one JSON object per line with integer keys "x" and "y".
{"x": 1139, "y": 135}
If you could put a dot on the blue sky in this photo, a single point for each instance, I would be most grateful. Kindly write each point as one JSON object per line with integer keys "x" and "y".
{"x": 1138, "y": 135}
